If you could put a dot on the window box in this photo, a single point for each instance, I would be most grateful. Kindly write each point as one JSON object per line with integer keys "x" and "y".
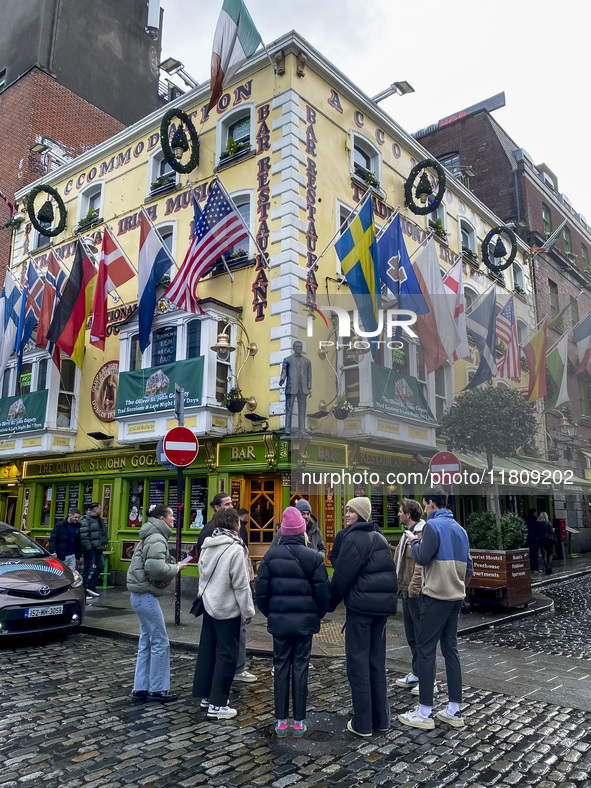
{"x": 92, "y": 219}
{"x": 163, "y": 184}
{"x": 470, "y": 257}
{"x": 437, "y": 227}
{"x": 243, "y": 151}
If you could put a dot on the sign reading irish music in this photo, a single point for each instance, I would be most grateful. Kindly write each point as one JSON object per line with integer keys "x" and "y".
{"x": 399, "y": 395}
{"x": 23, "y": 413}
{"x": 149, "y": 390}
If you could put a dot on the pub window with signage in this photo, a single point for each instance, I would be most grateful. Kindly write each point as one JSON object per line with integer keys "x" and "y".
{"x": 66, "y": 398}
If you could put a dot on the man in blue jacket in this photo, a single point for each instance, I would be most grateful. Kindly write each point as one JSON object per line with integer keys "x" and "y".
{"x": 444, "y": 552}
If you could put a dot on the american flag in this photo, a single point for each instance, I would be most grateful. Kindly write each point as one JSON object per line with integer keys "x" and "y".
{"x": 55, "y": 280}
{"x": 506, "y": 331}
{"x": 218, "y": 229}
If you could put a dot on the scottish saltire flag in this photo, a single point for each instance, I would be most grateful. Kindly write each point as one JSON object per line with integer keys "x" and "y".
{"x": 218, "y": 229}
{"x": 154, "y": 262}
{"x": 482, "y": 324}
{"x": 556, "y": 367}
{"x": 30, "y": 309}
{"x": 582, "y": 336}
{"x": 10, "y": 310}
{"x": 396, "y": 270}
{"x": 235, "y": 40}
{"x": 506, "y": 329}
{"x": 454, "y": 283}
{"x": 357, "y": 252}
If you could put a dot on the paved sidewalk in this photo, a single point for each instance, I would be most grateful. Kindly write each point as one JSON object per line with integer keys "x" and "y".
{"x": 111, "y": 615}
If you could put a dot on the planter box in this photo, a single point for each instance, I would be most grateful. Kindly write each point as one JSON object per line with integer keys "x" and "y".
{"x": 501, "y": 578}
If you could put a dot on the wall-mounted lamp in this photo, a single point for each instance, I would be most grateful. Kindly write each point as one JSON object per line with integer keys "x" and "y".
{"x": 400, "y": 88}
{"x": 173, "y": 66}
{"x": 224, "y": 343}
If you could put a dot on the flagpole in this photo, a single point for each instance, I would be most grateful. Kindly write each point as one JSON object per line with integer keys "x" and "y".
{"x": 393, "y": 215}
{"x": 269, "y": 56}
{"x": 248, "y": 230}
{"x": 344, "y": 224}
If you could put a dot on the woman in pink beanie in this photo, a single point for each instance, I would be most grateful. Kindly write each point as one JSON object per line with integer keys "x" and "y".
{"x": 293, "y": 592}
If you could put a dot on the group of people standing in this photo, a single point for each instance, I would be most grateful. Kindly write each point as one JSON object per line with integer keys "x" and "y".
{"x": 293, "y": 591}
{"x": 540, "y": 537}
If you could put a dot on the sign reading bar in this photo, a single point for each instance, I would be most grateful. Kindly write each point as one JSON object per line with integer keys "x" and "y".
{"x": 151, "y": 390}
{"x": 399, "y": 395}
{"x": 23, "y": 413}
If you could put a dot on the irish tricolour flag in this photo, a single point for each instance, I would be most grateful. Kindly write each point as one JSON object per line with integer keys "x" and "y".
{"x": 235, "y": 40}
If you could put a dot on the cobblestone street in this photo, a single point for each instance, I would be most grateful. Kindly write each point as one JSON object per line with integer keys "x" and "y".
{"x": 67, "y": 721}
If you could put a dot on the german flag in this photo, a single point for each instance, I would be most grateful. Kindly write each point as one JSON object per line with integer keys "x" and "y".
{"x": 70, "y": 316}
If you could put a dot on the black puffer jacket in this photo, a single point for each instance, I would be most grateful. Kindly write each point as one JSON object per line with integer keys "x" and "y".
{"x": 58, "y": 541}
{"x": 368, "y": 585}
{"x": 292, "y": 592}
{"x": 314, "y": 538}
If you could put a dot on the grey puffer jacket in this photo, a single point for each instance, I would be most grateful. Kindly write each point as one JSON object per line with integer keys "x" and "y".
{"x": 93, "y": 532}
{"x": 157, "y": 560}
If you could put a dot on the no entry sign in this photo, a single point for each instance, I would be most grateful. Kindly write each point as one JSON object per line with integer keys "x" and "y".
{"x": 443, "y": 466}
{"x": 180, "y": 446}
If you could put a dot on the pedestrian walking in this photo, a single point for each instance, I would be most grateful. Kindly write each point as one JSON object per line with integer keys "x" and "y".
{"x": 94, "y": 538}
{"x": 293, "y": 593}
{"x": 547, "y": 541}
{"x": 444, "y": 552}
{"x": 410, "y": 584}
{"x": 533, "y": 540}
{"x": 64, "y": 542}
{"x": 312, "y": 529}
{"x": 152, "y": 569}
{"x": 224, "y": 583}
{"x": 365, "y": 577}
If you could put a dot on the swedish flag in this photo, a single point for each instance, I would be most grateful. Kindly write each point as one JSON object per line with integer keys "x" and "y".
{"x": 357, "y": 252}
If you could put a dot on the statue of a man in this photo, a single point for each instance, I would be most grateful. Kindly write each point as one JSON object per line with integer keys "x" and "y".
{"x": 297, "y": 371}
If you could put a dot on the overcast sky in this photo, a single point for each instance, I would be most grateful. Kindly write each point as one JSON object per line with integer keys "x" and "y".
{"x": 454, "y": 54}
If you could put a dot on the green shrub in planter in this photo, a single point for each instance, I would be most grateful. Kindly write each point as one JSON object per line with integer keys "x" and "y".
{"x": 482, "y": 531}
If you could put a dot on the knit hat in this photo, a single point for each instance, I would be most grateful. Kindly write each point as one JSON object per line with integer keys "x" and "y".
{"x": 362, "y": 506}
{"x": 292, "y": 522}
{"x": 303, "y": 506}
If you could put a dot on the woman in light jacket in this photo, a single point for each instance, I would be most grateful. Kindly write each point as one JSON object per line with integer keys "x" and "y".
{"x": 224, "y": 583}
{"x": 151, "y": 570}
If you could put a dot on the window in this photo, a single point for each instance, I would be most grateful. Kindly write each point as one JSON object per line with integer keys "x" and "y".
{"x": 222, "y": 369}
{"x": 2, "y": 79}
{"x": 366, "y": 161}
{"x": 421, "y": 372}
{"x": 135, "y": 356}
{"x": 584, "y": 403}
{"x": 470, "y": 297}
{"x": 164, "y": 346}
{"x": 518, "y": 278}
{"x": 438, "y": 222}
{"x": 452, "y": 162}
{"x": 553, "y": 289}
{"x": 161, "y": 175}
{"x": 235, "y": 134}
{"x": 65, "y": 403}
{"x": 468, "y": 237}
{"x": 243, "y": 203}
{"x": 6, "y": 383}
{"x": 522, "y": 332}
{"x": 568, "y": 249}
{"x": 574, "y": 311}
{"x": 193, "y": 339}
{"x": 440, "y": 398}
{"x": 23, "y": 383}
{"x": 547, "y": 219}
{"x": 90, "y": 204}
{"x": 166, "y": 232}
{"x": 585, "y": 256}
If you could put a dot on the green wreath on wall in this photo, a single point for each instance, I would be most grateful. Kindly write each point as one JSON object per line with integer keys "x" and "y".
{"x": 424, "y": 187}
{"x": 46, "y": 213}
{"x": 179, "y": 140}
{"x": 499, "y": 251}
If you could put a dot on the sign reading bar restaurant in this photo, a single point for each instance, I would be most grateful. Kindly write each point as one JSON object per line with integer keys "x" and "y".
{"x": 151, "y": 390}
{"x": 399, "y": 395}
{"x": 23, "y": 413}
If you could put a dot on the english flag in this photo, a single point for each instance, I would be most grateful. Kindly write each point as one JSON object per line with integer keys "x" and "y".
{"x": 454, "y": 283}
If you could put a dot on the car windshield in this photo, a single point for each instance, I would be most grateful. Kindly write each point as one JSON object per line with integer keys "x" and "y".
{"x": 14, "y": 544}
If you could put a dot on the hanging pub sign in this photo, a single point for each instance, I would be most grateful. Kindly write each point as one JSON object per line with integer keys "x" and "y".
{"x": 103, "y": 393}
{"x": 150, "y": 390}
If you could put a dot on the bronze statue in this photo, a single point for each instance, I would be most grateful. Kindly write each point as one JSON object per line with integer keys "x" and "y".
{"x": 297, "y": 371}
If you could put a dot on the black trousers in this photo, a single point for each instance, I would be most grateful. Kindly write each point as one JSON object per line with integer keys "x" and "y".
{"x": 411, "y": 611}
{"x": 291, "y": 658}
{"x": 216, "y": 659}
{"x": 365, "y": 651}
{"x": 439, "y": 624}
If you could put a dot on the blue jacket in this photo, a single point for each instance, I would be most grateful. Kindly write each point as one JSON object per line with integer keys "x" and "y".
{"x": 444, "y": 552}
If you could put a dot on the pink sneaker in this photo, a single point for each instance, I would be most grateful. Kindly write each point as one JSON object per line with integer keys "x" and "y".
{"x": 299, "y": 730}
{"x": 281, "y": 729}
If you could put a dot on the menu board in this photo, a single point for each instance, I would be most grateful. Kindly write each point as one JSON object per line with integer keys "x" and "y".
{"x": 392, "y": 510}
{"x": 87, "y": 496}
{"x": 198, "y": 508}
{"x": 47, "y": 491}
{"x": 329, "y": 513}
{"x": 60, "y": 502}
{"x": 377, "y": 504}
{"x": 135, "y": 505}
{"x": 106, "y": 503}
{"x": 172, "y": 496}
{"x": 73, "y": 490}
{"x": 156, "y": 495}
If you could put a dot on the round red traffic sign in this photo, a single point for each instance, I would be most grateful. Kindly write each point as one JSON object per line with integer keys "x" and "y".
{"x": 180, "y": 446}
{"x": 445, "y": 464}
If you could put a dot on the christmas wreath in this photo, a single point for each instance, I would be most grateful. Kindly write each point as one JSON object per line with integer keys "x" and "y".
{"x": 46, "y": 213}
{"x": 424, "y": 187}
{"x": 499, "y": 251}
{"x": 179, "y": 140}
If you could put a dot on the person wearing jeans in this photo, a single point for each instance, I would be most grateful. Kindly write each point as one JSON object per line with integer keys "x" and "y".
{"x": 93, "y": 535}
{"x": 151, "y": 570}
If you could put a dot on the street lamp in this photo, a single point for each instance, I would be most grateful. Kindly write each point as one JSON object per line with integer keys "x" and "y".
{"x": 173, "y": 66}
{"x": 400, "y": 88}
{"x": 224, "y": 343}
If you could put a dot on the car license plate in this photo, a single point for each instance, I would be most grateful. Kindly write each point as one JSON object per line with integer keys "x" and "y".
{"x": 36, "y": 612}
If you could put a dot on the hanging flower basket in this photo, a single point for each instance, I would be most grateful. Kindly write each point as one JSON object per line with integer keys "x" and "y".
{"x": 340, "y": 413}
{"x": 234, "y": 401}
{"x": 342, "y": 408}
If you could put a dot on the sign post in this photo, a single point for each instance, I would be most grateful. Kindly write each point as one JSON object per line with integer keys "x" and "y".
{"x": 180, "y": 447}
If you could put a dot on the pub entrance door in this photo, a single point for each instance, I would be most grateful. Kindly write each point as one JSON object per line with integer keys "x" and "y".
{"x": 263, "y": 501}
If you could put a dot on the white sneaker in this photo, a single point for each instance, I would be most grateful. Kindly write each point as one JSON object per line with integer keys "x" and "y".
{"x": 204, "y": 703}
{"x": 416, "y": 720}
{"x": 455, "y": 720}
{"x": 246, "y": 677}
{"x": 91, "y": 592}
{"x": 221, "y": 712}
{"x": 415, "y": 690}
{"x": 410, "y": 680}
{"x": 89, "y": 599}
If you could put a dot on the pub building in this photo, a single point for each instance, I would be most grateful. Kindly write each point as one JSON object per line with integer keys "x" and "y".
{"x": 311, "y": 145}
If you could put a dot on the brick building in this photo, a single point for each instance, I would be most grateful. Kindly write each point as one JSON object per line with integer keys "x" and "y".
{"x": 527, "y": 196}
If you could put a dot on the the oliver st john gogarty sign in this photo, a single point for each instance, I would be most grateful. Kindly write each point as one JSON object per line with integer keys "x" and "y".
{"x": 137, "y": 461}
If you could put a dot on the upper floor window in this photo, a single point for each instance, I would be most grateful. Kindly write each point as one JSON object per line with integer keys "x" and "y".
{"x": 553, "y": 290}
{"x": 468, "y": 239}
{"x": 518, "y": 278}
{"x": 167, "y": 233}
{"x": 470, "y": 297}
{"x": 66, "y": 398}
{"x": 547, "y": 219}
{"x": 585, "y": 256}
{"x": 568, "y": 248}
{"x": 135, "y": 355}
{"x": 90, "y": 204}
{"x": 452, "y": 162}
{"x": 161, "y": 175}
{"x": 164, "y": 345}
{"x": 522, "y": 332}
{"x": 193, "y": 339}
{"x": 438, "y": 221}
{"x": 243, "y": 203}
{"x": 366, "y": 161}
{"x": 235, "y": 133}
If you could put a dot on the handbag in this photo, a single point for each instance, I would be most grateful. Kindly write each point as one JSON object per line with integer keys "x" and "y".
{"x": 155, "y": 583}
{"x": 198, "y": 608}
